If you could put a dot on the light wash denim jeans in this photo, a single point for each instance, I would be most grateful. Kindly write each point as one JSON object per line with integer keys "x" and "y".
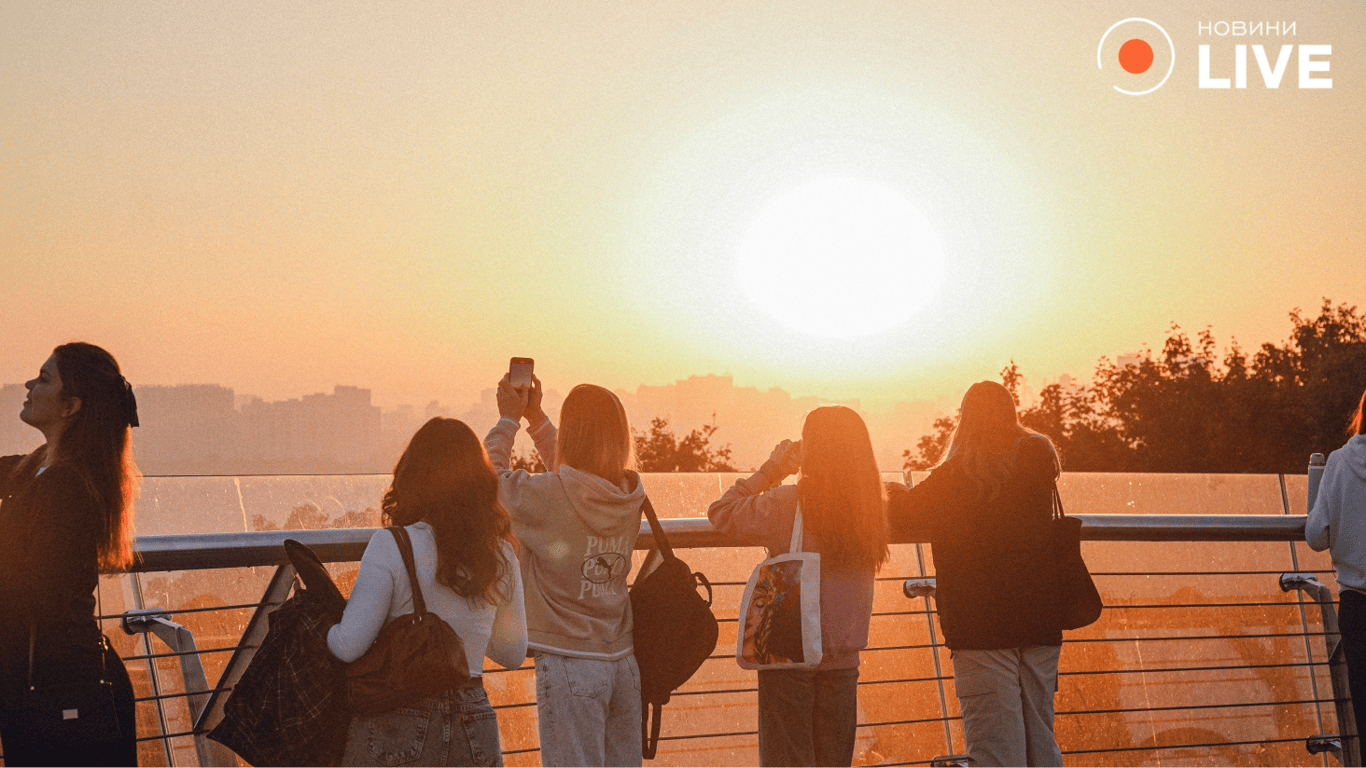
{"x": 807, "y": 717}
{"x": 1006, "y": 698}
{"x": 458, "y": 727}
{"x": 588, "y": 710}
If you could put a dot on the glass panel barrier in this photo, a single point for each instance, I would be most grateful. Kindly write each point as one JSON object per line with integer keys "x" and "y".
{"x": 1199, "y": 658}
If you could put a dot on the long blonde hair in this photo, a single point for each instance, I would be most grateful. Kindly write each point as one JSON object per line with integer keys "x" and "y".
{"x": 988, "y": 438}
{"x": 843, "y": 502}
{"x": 594, "y": 434}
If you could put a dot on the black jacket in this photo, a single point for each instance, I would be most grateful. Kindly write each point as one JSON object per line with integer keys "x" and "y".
{"x": 994, "y": 590}
{"x": 50, "y": 528}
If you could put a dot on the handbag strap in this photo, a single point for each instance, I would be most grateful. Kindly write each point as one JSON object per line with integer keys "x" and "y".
{"x": 661, "y": 541}
{"x": 405, "y": 548}
{"x": 796, "y": 544}
{"x": 1057, "y": 503}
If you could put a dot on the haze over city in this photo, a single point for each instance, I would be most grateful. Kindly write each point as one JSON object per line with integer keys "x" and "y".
{"x": 878, "y": 203}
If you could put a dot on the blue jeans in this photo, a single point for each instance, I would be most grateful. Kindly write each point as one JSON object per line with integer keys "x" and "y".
{"x": 458, "y": 727}
{"x": 807, "y": 717}
{"x": 588, "y": 711}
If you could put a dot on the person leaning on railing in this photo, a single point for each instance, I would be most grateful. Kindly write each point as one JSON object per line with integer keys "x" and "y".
{"x": 1338, "y": 523}
{"x": 66, "y": 517}
{"x": 986, "y": 509}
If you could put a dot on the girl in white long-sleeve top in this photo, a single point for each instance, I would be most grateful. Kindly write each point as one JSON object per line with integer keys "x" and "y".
{"x": 445, "y": 493}
{"x": 1338, "y": 523}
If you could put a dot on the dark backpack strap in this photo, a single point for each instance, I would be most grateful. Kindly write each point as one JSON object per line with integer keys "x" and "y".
{"x": 649, "y": 732}
{"x": 661, "y": 541}
{"x": 405, "y": 548}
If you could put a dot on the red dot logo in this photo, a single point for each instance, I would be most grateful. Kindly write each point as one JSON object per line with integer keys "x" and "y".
{"x": 1138, "y": 51}
{"x": 1135, "y": 56}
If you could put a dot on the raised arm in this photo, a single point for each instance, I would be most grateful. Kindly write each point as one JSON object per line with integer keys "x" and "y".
{"x": 758, "y": 507}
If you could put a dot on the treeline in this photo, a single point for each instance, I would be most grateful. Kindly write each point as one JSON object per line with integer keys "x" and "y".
{"x": 660, "y": 450}
{"x": 1190, "y": 408}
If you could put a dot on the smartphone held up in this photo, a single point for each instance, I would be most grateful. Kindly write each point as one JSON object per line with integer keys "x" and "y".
{"x": 519, "y": 372}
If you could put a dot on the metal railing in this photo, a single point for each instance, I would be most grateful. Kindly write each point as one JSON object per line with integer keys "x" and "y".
{"x": 160, "y": 554}
{"x": 1200, "y": 654}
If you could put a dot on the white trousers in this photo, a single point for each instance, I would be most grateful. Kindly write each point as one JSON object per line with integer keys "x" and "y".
{"x": 1006, "y": 698}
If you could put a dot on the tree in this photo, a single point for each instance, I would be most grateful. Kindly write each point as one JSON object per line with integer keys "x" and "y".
{"x": 1187, "y": 409}
{"x": 660, "y": 451}
{"x": 531, "y": 462}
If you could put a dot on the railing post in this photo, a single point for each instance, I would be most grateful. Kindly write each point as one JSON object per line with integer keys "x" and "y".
{"x": 1350, "y": 754}
{"x": 181, "y": 642}
{"x": 1316, "y": 464}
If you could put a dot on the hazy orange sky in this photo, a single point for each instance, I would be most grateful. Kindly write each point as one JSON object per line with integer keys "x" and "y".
{"x": 280, "y": 197}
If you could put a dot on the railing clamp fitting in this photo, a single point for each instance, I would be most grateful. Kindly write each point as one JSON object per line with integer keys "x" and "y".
{"x": 1324, "y": 742}
{"x": 1299, "y": 580}
{"x": 143, "y": 620}
{"x": 918, "y": 587}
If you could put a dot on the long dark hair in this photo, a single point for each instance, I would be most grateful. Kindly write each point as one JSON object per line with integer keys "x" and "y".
{"x": 842, "y": 497}
{"x": 97, "y": 444}
{"x": 444, "y": 478}
{"x": 988, "y": 438}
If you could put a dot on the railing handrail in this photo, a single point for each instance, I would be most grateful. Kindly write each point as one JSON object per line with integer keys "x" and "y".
{"x": 198, "y": 551}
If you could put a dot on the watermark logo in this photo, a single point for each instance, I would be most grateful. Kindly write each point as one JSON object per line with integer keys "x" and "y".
{"x": 1144, "y": 60}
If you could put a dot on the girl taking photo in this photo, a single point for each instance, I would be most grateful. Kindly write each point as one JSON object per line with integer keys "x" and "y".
{"x": 808, "y": 717}
{"x": 578, "y": 524}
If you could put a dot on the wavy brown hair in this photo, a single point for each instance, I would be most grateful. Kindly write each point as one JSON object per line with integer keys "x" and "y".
{"x": 444, "y": 479}
{"x": 842, "y": 497}
{"x": 97, "y": 445}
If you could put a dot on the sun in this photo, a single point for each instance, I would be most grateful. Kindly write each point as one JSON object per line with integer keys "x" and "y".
{"x": 841, "y": 257}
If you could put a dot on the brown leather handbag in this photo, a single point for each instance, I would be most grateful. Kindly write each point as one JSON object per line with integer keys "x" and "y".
{"x": 415, "y": 655}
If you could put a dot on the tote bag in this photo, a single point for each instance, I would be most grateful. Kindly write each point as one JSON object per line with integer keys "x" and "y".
{"x": 780, "y": 612}
{"x": 1078, "y": 601}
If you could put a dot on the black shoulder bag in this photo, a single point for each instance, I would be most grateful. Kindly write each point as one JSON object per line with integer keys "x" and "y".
{"x": 674, "y": 629}
{"x": 72, "y": 714}
{"x": 1079, "y": 602}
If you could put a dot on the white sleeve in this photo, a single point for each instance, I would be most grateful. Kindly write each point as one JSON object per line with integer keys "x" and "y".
{"x": 508, "y": 640}
{"x": 368, "y": 607}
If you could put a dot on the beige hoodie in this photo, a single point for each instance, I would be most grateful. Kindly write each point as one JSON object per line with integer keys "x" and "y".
{"x": 577, "y": 533}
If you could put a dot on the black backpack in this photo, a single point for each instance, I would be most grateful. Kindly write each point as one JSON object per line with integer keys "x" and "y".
{"x": 674, "y": 629}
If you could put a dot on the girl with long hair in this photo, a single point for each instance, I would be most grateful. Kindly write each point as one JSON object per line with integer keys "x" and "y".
{"x": 986, "y": 510}
{"x": 66, "y": 516}
{"x": 445, "y": 494}
{"x": 808, "y": 717}
{"x": 578, "y": 524}
{"x": 1338, "y": 523}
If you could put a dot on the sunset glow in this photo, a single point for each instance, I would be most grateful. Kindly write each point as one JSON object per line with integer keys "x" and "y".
{"x": 874, "y": 202}
{"x": 841, "y": 257}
